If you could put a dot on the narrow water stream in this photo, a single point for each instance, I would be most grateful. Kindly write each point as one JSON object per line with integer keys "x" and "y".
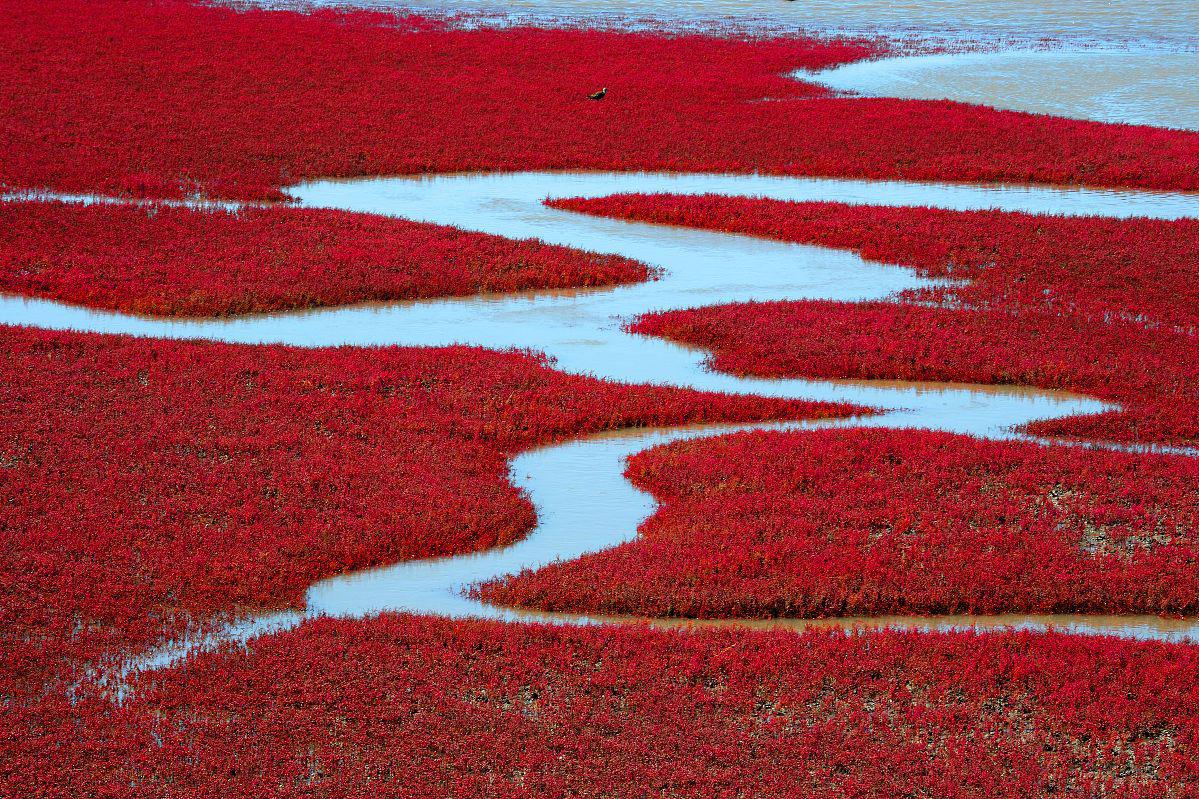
{"x": 583, "y": 502}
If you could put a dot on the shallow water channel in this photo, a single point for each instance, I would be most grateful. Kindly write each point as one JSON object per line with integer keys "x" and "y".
{"x": 583, "y": 502}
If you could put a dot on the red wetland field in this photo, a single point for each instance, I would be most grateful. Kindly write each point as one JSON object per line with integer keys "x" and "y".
{"x": 161, "y": 482}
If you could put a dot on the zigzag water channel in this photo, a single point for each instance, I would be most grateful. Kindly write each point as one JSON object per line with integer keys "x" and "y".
{"x": 582, "y": 500}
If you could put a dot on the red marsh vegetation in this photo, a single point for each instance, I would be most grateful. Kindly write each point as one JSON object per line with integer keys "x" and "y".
{"x": 429, "y": 708}
{"x": 169, "y": 98}
{"x": 170, "y": 261}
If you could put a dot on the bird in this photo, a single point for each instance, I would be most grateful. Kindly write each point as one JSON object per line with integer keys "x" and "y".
{"x": 598, "y": 95}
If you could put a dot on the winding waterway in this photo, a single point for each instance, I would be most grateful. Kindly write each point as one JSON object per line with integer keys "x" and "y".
{"x": 582, "y": 500}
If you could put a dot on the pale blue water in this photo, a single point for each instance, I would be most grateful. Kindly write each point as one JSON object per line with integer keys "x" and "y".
{"x": 1164, "y": 21}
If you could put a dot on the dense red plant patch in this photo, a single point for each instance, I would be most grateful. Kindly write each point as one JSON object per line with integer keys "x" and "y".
{"x": 427, "y": 708}
{"x": 146, "y": 484}
{"x": 878, "y": 522}
{"x": 1153, "y": 375}
{"x": 1104, "y": 307}
{"x": 166, "y": 98}
{"x": 180, "y": 262}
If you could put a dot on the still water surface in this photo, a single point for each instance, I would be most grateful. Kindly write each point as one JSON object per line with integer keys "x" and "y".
{"x": 1172, "y": 21}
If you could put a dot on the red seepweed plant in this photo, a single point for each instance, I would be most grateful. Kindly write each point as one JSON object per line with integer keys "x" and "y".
{"x": 172, "y": 261}
{"x": 171, "y": 98}
{"x": 432, "y": 708}
{"x": 147, "y": 486}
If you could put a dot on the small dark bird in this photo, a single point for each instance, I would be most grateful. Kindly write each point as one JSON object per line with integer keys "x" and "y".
{"x": 598, "y": 95}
